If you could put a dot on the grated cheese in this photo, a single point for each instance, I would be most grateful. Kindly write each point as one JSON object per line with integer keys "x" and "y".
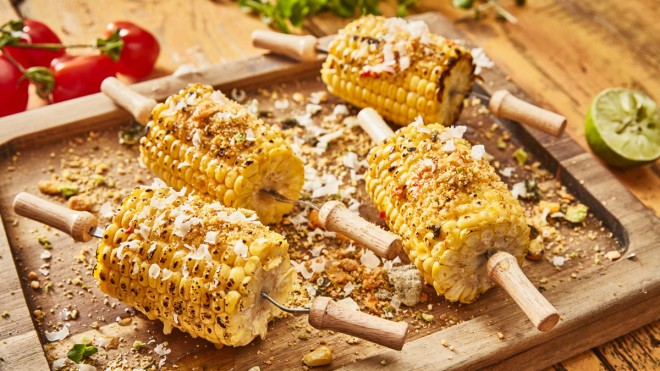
{"x": 241, "y": 249}
{"x": 477, "y": 152}
{"x": 154, "y": 270}
{"x": 449, "y": 146}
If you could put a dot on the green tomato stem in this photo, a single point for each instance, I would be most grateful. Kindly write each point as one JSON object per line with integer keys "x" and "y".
{"x": 52, "y": 47}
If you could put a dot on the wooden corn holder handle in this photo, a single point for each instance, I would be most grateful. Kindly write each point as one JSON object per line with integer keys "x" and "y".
{"x": 326, "y": 314}
{"x": 135, "y": 103}
{"x": 76, "y": 224}
{"x": 335, "y": 217}
{"x": 503, "y": 269}
{"x": 505, "y": 105}
{"x": 372, "y": 122}
{"x": 301, "y": 48}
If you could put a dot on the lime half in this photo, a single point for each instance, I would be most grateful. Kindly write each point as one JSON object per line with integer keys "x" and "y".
{"x": 623, "y": 127}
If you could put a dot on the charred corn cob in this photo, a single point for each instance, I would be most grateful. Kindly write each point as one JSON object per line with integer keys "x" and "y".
{"x": 447, "y": 204}
{"x": 196, "y": 266}
{"x": 400, "y": 69}
{"x": 201, "y": 140}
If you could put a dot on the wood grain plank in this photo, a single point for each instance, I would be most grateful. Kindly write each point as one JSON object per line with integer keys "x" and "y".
{"x": 638, "y": 350}
{"x": 197, "y": 32}
{"x": 630, "y": 217}
{"x": 563, "y": 53}
{"x": 586, "y": 361}
{"x": 20, "y": 344}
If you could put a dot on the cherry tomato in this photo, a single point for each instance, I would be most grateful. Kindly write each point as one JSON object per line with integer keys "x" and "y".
{"x": 140, "y": 51}
{"x": 13, "y": 89}
{"x": 80, "y": 75}
{"x": 36, "y": 33}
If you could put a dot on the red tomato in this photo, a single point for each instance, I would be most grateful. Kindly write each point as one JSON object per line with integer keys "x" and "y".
{"x": 80, "y": 75}
{"x": 37, "y": 33}
{"x": 140, "y": 51}
{"x": 13, "y": 90}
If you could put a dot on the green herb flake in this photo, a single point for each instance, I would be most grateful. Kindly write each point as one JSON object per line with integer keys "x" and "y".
{"x": 68, "y": 190}
{"x": 427, "y": 317}
{"x": 501, "y": 144}
{"x": 98, "y": 180}
{"x": 131, "y": 133}
{"x": 303, "y": 336}
{"x": 43, "y": 241}
{"x": 137, "y": 345}
{"x": 81, "y": 351}
{"x": 239, "y": 138}
{"x": 464, "y": 4}
{"x": 521, "y": 156}
{"x": 4, "y": 314}
{"x": 576, "y": 213}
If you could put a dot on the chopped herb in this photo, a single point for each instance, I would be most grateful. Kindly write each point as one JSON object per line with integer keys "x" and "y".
{"x": 501, "y": 144}
{"x": 43, "y": 241}
{"x": 576, "y": 213}
{"x": 303, "y": 336}
{"x": 521, "y": 156}
{"x": 137, "y": 345}
{"x": 4, "y": 314}
{"x": 238, "y": 138}
{"x": 98, "y": 180}
{"x": 68, "y": 190}
{"x": 131, "y": 134}
{"x": 427, "y": 317}
{"x": 80, "y": 351}
{"x": 464, "y": 4}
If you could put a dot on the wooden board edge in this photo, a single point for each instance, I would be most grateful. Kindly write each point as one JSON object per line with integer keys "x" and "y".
{"x": 477, "y": 344}
{"x": 55, "y": 120}
{"x": 22, "y": 348}
{"x": 238, "y": 79}
{"x": 574, "y": 342}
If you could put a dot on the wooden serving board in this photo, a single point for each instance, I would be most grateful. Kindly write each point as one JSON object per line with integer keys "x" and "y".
{"x": 597, "y": 302}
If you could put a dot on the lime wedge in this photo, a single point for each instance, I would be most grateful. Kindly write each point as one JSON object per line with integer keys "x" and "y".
{"x": 623, "y": 127}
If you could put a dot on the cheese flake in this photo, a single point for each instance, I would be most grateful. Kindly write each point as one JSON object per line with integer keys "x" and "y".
{"x": 241, "y": 249}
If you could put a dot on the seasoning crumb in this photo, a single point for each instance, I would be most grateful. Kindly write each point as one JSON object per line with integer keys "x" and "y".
{"x": 318, "y": 357}
{"x": 353, "y": 340}
{"x": 500, "y": 336}
{"x": 613, "y": 255}
{"x": 35, "y": 285}
{"x": 125, "y": 321}
{"x": 444, "y": 342}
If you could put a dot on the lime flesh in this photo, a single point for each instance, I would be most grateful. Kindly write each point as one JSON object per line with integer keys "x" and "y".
{"x": 623, "y": 128}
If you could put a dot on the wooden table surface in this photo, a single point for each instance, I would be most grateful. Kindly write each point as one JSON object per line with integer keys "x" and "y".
{"x": 561, "y": 53}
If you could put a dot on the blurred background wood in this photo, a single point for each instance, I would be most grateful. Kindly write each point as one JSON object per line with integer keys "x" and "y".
{"x": 561, "y": 52}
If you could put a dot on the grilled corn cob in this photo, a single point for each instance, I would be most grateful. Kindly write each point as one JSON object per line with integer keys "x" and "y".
{"x": 447, "y": 204}
{"x": 400, "y": 69}
{"x": 196, "y": 266}
{"x": 201, "y": 140}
